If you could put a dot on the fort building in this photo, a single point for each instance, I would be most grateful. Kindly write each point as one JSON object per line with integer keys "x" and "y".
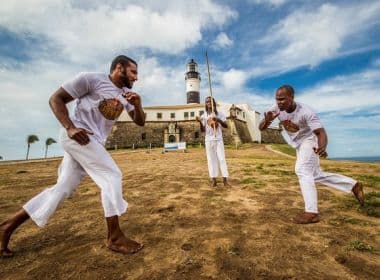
{"x": 177, "y": 123}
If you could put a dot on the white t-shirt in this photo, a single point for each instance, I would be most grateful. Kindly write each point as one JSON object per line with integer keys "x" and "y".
{"x": 209, "y": 130}
{"x": 304, "y": 117}
{"x": 89, "y": 89}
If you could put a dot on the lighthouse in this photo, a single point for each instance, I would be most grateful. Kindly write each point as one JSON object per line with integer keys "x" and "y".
{"x": 193, "y": 80}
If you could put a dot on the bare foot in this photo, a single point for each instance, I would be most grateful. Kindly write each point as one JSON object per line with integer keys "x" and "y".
{"x": 306, "y": 218}
{"x": 123, "y": 245}
{"x": 5, "y": 235}
{"x": 213, "y": 183}
{"x": 359, "y": 193}
{"x": 226, "y": 183}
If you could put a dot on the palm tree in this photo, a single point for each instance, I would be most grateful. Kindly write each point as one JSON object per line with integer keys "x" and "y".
{"x": 30, "y": 140}
{"x": 48, "y": 142}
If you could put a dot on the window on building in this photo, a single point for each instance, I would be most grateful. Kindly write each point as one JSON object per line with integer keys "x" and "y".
{"x": 201, "y": 113}
{"x": 186, "y": 115}
{"x": 192, "y": 114}
{"x": 159, "y": 116}
{"x": 172, "y": 115}
{"x": 244, "y": 115}
{"x": 196, "y": 134}
{"x": 143, "y": 136}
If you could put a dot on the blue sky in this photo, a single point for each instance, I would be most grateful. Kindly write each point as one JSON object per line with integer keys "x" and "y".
{"x": 328, "y": 50}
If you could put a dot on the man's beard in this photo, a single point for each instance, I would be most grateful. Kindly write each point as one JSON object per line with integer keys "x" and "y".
{"x": 126, "y": 82}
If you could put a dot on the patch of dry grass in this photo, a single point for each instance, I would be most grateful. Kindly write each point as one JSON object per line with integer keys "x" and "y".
{"x": 192, "y": 231}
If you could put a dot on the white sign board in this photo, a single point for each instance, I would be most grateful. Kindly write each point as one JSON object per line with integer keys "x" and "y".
{"x": 175, "y": 146}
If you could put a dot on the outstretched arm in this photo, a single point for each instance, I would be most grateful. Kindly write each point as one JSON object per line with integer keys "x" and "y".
{"x": 57, "y": 103}
{"x": 137, "y": 115}
{"x": 322, "y": 142}
{"x": 268, "y": 119}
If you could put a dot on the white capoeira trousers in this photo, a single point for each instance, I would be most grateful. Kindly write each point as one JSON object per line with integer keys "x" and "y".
{"x": 79, "y": 161}
{"x": 309, "y": 172}
{"x": 216, "y": 158}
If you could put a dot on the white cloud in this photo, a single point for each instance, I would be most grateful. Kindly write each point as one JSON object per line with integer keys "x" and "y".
{"x": 233, "y": 79}
{"x": 222, "y": 41}
{"x": 376, "y": 63}
{"x": 273, "y": 3}
{"x": 354, "y": 136}
{"x": 230, "y": 86}
{"x": 346, "y": 104}
{"x": 350, "y": 106}
{"x": 307, "y": 37}
{"x": 87, "y": 34}
{"x": 160, "y": 84}
{"x": 26, "y": 93}
{"x": 345, "y": 93}
{"x": 83, "y": 34}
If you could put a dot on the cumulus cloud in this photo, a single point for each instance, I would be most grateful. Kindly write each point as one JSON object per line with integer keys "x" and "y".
{"x": 222, "y": 41}
{"x": 78, "y": 36}
{"x": 349, "y": 108}
{"x": 351, "y": 134}
{"x": 307, "y": 37}
{"x": 233, "y": 79}
{"x": 376, "y": 63}
{"x": 83, "y": 33}
{"x": 159, "y": 84}
{"x": 345, "y": 93}
{"x": 26, "y": 92}
{"x": 230, "y": 86}
{"x": 272, "y": 3}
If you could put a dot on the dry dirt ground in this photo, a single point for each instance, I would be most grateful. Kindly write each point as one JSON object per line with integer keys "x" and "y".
{"x": 191, "y": 231}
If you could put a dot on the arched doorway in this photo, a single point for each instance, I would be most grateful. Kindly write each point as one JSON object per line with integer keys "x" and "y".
{"x": 172, "y": 139}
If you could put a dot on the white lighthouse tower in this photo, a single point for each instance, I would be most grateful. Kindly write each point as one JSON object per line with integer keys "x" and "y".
{"x": 193, "y": 81}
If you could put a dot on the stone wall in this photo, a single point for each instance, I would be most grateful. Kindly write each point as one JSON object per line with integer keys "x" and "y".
{"x": 190, "y": 132}
{"x": 242, "y": 131}
{"x": 128, "y": 134}
{"x": 272, "y": 135}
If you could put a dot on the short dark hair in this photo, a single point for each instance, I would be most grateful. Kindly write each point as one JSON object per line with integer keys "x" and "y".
{"x": 122, "y": 59}
{"x": 288, "y": 88}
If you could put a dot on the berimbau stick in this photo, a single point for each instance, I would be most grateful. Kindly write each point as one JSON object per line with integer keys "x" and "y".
{"x": 210, "y": 87}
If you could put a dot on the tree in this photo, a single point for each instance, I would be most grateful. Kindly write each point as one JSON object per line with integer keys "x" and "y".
{"x": 48, "y": 142}
{"x": 30, "y": 140}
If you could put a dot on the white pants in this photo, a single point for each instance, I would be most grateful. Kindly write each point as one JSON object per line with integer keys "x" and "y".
{"x": 216, "y": 158}
{"x": 308, "y": 171}
{"x": 79, "y": 161}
